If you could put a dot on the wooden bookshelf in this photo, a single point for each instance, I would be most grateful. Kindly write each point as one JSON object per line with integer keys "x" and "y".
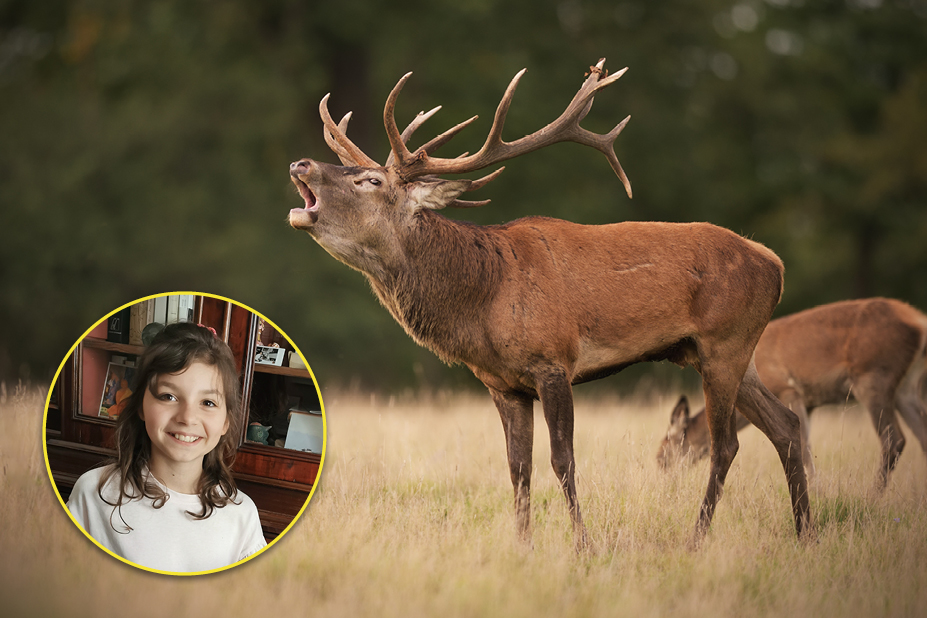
{"x": 102, "y": 344}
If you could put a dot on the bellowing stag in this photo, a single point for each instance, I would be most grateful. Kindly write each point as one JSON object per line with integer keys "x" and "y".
{"x": 873, "y": 349}
{"x": 537, "y": 305}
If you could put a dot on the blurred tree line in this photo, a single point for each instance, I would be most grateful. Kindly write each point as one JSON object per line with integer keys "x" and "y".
{"x": 144, "y": 147}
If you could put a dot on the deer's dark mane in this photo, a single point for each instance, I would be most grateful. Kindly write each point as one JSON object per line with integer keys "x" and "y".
{"x": 450, "y": 272}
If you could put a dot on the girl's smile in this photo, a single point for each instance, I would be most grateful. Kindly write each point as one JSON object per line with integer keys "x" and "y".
{"x": 185, "y": 416}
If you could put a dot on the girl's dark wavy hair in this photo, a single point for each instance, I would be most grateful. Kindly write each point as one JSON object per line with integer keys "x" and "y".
{"x": 174, "y": 349}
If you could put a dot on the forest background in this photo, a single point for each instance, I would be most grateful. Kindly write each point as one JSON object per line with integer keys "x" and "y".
{"x": 144, "y": 148}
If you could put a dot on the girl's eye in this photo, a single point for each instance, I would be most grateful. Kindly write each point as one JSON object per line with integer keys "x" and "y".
{"x": 166, "y": 397}
{"x": 210, "y": 403}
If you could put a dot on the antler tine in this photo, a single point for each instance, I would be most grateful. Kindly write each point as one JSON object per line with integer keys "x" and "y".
{"x": 444, "y": 138}
{"x": 467, "y": 204}
{"x": 476, "y": 184}
{"x": 495, "y": 132}
{"x": 398, "y": 150}
{"x": 343, "y": 123}
{"x": 343, "y": 154}
{"x": 418, "y": 121}
{"x": 494, "y": 150}
{"x": 613, "y": 158}
{"x": 485, "y": 180}
{"x": 346, "y": 150}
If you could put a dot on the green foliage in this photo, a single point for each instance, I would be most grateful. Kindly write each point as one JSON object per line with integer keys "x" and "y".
{"x": 145, "y": 147}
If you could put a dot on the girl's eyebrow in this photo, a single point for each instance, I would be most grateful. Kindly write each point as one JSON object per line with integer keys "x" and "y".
{"x": 168, "y": 384}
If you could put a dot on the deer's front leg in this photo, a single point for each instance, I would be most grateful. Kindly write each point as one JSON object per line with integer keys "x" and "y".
{"x": 556, "y": 394}
{"x": 517, "y": 413}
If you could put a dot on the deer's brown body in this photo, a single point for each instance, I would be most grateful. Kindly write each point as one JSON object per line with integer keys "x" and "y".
{"x": 873, "y": 349}
{"x": 537, "y": 305}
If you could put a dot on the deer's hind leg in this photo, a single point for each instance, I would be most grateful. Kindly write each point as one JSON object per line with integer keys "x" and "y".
{"x": 915, "y": 415}
{"x": 794, "y": 402}
{"x": 719, "y": 383}
{"x": 910, "y": 405}
{"x": 517, "y": 413}
{"x": 783, "y": 429}
{"x": 879, "y": 400}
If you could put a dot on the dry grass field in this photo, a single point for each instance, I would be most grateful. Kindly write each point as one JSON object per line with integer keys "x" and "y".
{"x": 413, "y": 517}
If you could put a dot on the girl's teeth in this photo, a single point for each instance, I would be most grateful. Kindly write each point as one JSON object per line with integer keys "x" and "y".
{"x": 185, "y": 438}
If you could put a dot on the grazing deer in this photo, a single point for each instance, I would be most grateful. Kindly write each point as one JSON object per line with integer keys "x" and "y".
{"x": 874, "y": 349}
{"x": 537, "y": 305}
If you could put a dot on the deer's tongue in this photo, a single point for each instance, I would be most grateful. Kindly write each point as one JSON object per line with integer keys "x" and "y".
{"x": 308, "y": 196}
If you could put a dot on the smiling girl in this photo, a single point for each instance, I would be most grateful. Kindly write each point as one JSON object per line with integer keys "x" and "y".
{"x": 169, "y": 501}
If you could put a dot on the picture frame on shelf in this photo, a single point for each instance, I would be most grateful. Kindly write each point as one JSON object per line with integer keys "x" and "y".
{"x": 116, "y": 390}
{"x": 267, "y": 355}
{"x": 305, "y": 432}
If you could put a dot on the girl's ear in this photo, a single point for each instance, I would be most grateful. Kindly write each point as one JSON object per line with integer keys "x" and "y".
{"x": 225, "y": 429}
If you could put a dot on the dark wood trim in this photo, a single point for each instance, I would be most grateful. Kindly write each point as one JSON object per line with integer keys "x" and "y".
{"x": 292, "y": 372}
{"x": 68, "y": 460}
{"x": 278, "y": 464}
{"x": 103, "y": 344}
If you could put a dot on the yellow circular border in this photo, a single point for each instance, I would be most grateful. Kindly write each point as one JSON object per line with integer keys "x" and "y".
{"x": 234, "y": 564}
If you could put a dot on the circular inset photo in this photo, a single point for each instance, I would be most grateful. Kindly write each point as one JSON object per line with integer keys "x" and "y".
{"x": 184, "y": 433}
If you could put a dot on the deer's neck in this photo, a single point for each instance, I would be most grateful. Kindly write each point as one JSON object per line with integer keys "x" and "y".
{"x": 440, "y": 288}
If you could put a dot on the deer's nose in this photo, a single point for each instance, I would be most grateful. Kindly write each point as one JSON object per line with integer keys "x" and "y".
{"x": 300, "y": 167}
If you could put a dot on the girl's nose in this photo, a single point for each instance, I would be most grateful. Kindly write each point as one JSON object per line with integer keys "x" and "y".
{"x": 186, "y": 413}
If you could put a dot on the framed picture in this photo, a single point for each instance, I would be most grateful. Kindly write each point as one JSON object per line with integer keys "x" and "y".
{"x": 116, "y": 389}
{"x": 267, "y": 355}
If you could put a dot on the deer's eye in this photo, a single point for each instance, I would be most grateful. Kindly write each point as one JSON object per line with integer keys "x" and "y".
{"x": 374, "y": 181}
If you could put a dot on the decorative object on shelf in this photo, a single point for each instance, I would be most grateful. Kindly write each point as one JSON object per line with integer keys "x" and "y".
{"x": 117, "y": 326}
{"x": 258, "y": 433}
{"x": 150, "y": 332}
{"x": 116, "y": 390}
{"x": 270, "y": 355}
{"x": 268, "y": 335}
{"x": 296, "y": 361}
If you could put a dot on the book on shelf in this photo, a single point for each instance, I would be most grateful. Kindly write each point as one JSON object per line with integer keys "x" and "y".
{"x": 173, "y": 305}
{"x": 186, "y": 304}
{"x": 142, "y": 315}
{"x": 160, "y": 310}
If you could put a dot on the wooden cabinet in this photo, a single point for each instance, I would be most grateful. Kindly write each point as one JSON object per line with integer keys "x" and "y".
{"x": 277, "y": 478}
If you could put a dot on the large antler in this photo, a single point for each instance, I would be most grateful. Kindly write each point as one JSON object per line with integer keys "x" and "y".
{"x": 411, "y": 165}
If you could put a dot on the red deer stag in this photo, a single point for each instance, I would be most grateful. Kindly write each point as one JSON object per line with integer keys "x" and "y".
{"x": 535, "y": 306}
{"x": 874, "y": 349}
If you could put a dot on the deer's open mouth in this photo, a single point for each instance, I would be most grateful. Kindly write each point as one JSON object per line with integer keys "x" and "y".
{"x": 303, "y": 218}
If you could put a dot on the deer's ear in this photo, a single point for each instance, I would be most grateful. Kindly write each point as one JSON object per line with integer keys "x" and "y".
{"x": 680, "y": 415}
{"x": 435, "y": 193}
